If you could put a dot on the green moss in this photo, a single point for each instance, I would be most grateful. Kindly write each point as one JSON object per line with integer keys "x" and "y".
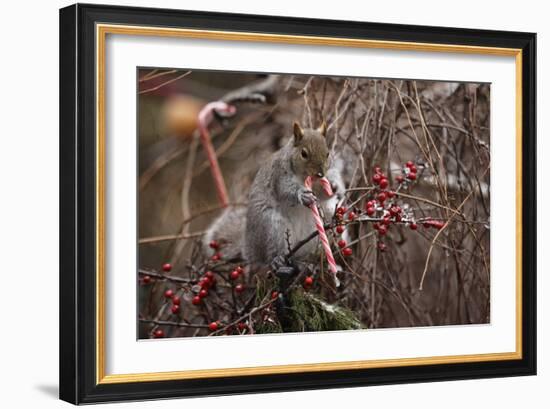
{"x": 264, "y": 287}
{"x": 304, "y": 312}
{"x": 268, "y": 327}
{"x": 309, "y": 313}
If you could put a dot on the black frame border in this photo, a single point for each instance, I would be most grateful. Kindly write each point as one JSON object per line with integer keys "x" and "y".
{"x": 78, "y": 197}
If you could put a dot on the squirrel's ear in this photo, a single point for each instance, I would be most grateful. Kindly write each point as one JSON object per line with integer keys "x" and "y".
{"x": 323, "y": 128}
{"x": 298, "y": 133}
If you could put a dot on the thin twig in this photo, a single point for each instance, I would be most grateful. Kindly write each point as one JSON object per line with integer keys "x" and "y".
{"x": 179, "y": 77}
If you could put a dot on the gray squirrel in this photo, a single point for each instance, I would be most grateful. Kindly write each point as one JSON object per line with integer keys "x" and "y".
{"x": 278, "y": 203}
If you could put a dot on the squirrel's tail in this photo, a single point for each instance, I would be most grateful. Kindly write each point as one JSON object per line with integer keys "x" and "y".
{"x": 228, "y": 231}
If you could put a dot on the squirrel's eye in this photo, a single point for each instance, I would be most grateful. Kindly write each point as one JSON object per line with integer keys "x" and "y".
{"x": 304, "y": 154}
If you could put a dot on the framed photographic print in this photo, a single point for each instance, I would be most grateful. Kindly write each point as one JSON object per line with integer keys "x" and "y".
{"x": 257, "y": 203}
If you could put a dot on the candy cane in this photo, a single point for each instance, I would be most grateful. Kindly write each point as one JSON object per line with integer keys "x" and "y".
{"x": 320, "y": 226}
{"x": 205, "y": 116}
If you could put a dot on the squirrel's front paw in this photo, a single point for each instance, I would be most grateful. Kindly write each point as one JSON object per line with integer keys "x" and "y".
{"x": 307, "y": 198}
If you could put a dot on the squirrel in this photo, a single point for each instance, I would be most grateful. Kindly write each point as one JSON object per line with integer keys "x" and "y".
{"x": 278, "y": 214}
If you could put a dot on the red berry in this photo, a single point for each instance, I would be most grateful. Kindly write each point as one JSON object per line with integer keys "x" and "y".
{"x": 384, "y": 183}
{"x": 214, "y": 245}
{"x": 395, "y": 210}
{"x": 175, "y": 309}
{"x": 370, "y": 203}
{"x": 242, "y": 326}
{"x": 377, "y": 169}
{"x": 239, "y": 288}
{"x": 391, "y": 194}
{"x": 196, "y": 300}
{"x": 167, "y": 267}
{"x": 146, "y": 279}
{"x": 399, "y": 179}
{"x": 411, "y": 176}
{"x": 203, "y": 293}
{"x": 340, "y": 229}
{"x": 342, "y": 243}
{"x": 274, "y": 294}
{"x": 438, "y": 224}
{"x": 308, "y": 282}
{"x": 382, "y": 230}
{"x": 216, "y": 257}
{"x": 427, "y": 224}
{"x": 413, "y": 169}
{"x": 176, "y": 300}
{"x": 370, "y": 211}
{"x": 209, "y": 275}
{"x": 234, "y": 275}
{"x": 386, "y": 220}
{"x": 239, "y": 269}
{"x": 351, "y": 216}
{"x": 213, "y": 326}
{"x": 341, "y": 210}
{"x": 376, "y": 226}
{"x": 409, "y": 164}
{"x": 376, "y": 178}
{"x": 347, "y": 252}
{"x": 381, "y": 246}
{"x": 158, "y": 333}
{"x": 381, "y": 196}
{"x": 168, "y": 293}
{"x": 205, "y": 282}
{"x": 413, "y": 226}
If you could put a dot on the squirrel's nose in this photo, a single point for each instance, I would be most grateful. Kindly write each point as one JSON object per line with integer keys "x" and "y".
{"x": 320, "y": 174}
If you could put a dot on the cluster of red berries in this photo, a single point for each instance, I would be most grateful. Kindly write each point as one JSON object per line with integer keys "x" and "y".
{"x": 377, "y": 203}
{"x": 381, "y": 206}
{"x": 340, "y": 215}
{"x": 169, "y": 293}
{"x": 214, "y": 245}
{"x": 379, "y": 178}
{"x": 234, "y": 275}
{"x": 176, "y": 301}
{"x": 392, "y": 214}
{"x": 409, "y": 172}
{"x": 346, "y": 251}
{"x": 206, "y": 282}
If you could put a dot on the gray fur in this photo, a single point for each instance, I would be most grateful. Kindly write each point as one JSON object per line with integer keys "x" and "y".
{"x": 228, "y": 231}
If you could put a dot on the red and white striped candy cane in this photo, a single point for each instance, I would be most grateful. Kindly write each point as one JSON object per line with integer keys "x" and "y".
{"x": 205, "y": 116}
{"x": 320, "y": 225}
